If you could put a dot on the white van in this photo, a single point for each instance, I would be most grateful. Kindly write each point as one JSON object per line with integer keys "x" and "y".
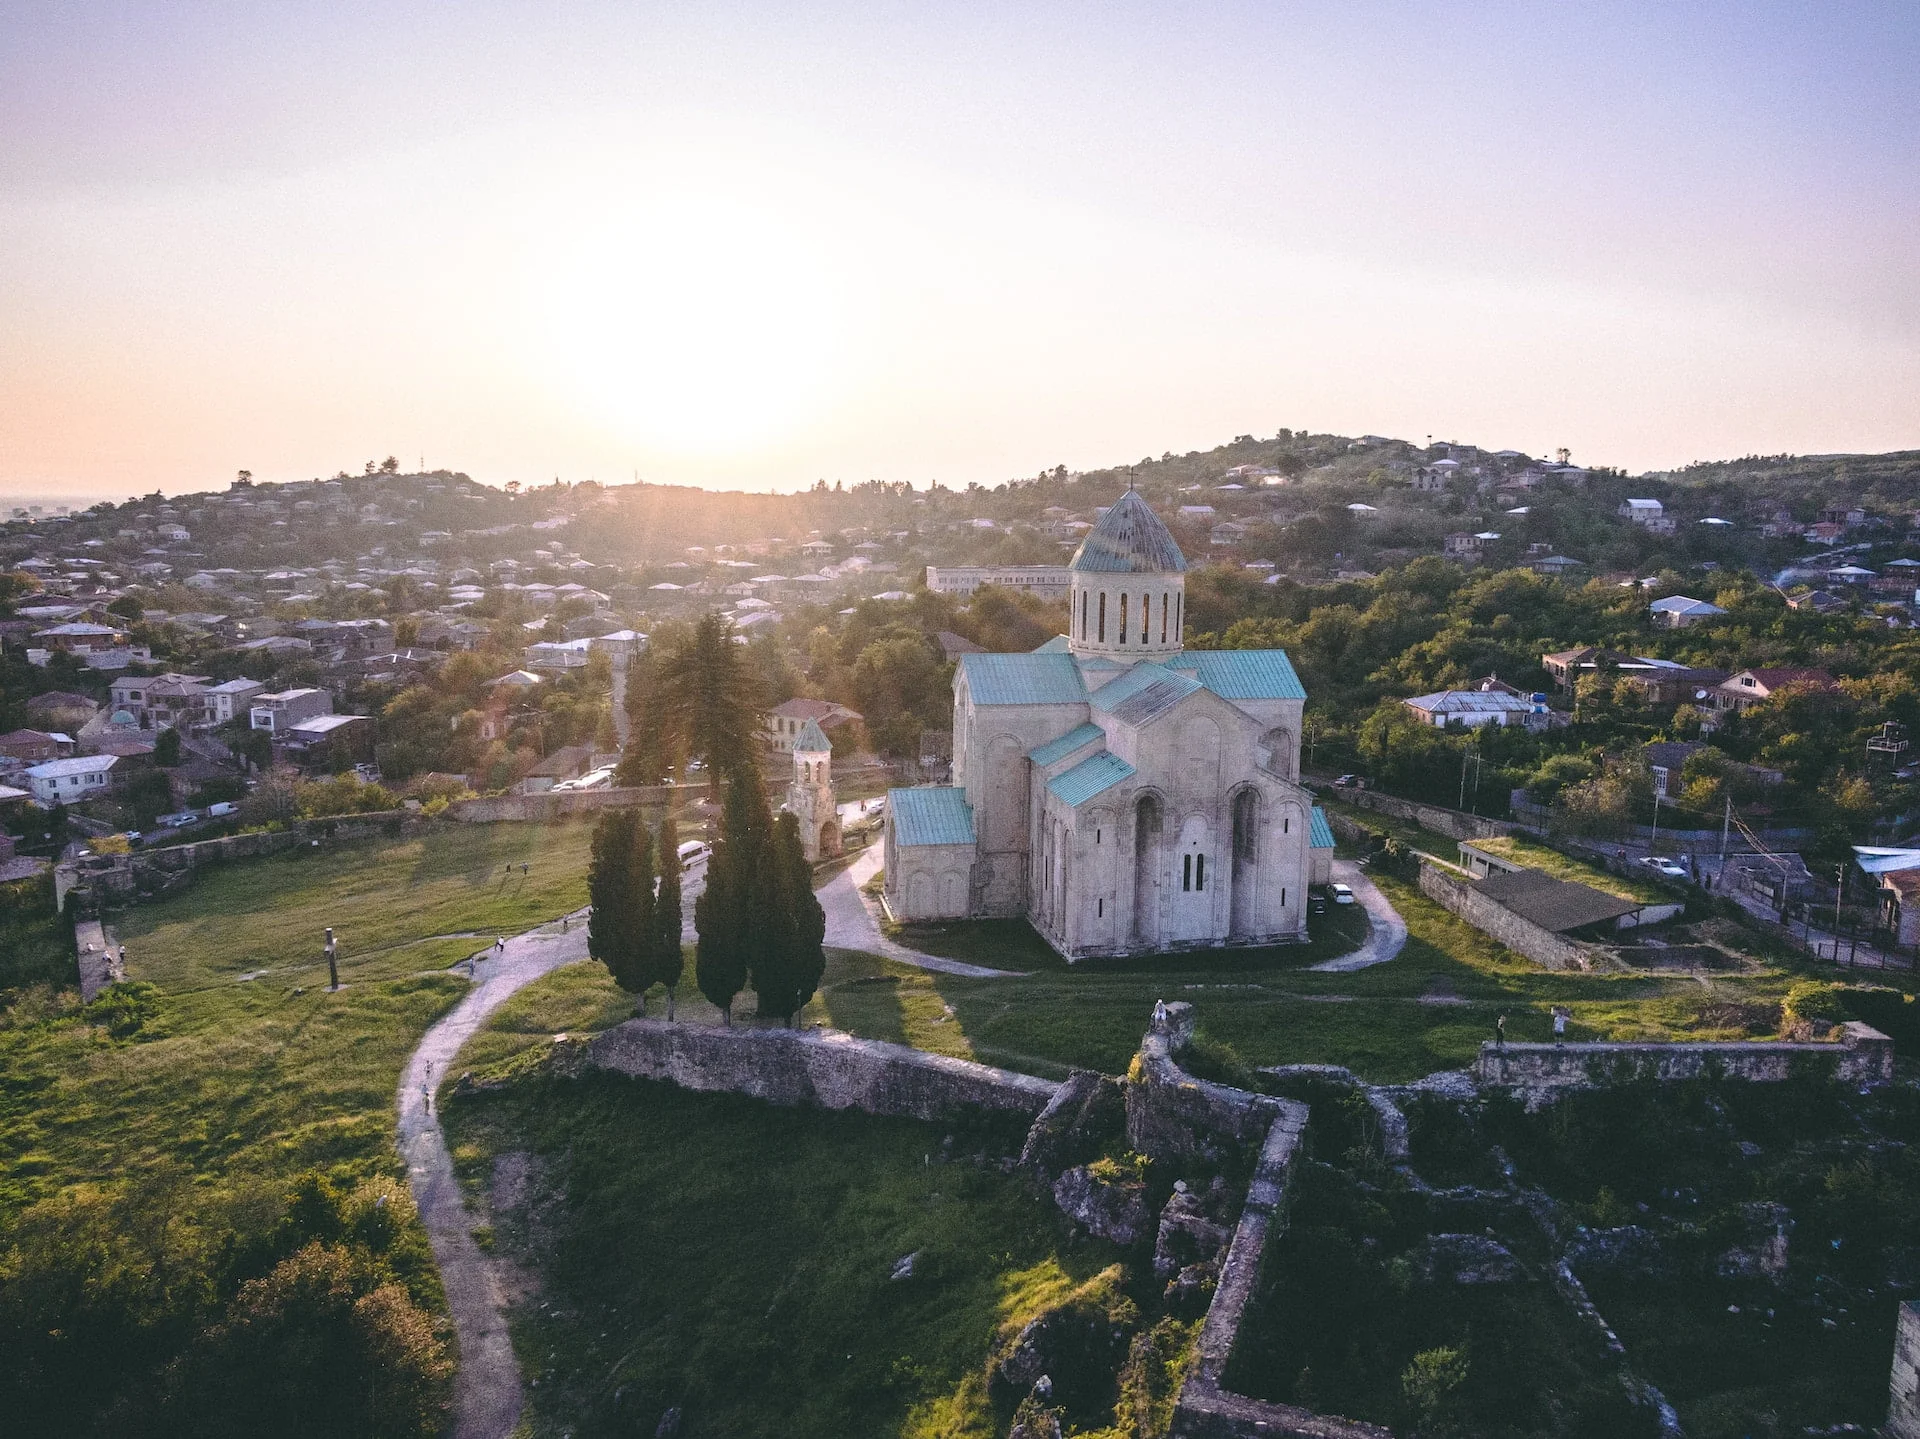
{"x": 693, "y": 852}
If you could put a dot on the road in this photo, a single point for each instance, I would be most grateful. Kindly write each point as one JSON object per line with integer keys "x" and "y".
{"x": 1387, "y": 932}
{"x": 487, "y": 1396}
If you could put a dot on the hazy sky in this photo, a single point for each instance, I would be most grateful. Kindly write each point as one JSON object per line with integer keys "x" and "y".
{"x": 754, "y": 245}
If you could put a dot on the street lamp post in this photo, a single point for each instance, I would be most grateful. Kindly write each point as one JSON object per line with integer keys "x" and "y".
{"x": 333, "y": 964}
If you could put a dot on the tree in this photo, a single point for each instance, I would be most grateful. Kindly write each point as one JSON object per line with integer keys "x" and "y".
{"x": 724, "y": 916}
{"x": 649, "y": 752}
{"x": 610, "y": 873}
{"x": 709, "y": 697}
{"x": 638, "y": 967}
{"x": 668, "y": 958}
{"x": 166, "y": 748}
{"x": 127, "y": 607}
{"x": 243, "y": 480}
{"x": 390, "y": 466}
{"x": 791, "y": 926}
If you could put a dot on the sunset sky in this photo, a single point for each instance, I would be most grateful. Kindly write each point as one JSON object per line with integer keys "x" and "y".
{"x": 741, "y": 245}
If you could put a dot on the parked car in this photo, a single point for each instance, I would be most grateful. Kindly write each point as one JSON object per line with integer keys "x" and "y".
{"x": 181, "y": 820}
{"x": 1351, "y": 781}
{"x": 1661, "y": 864}
{"x": 1342, "y": 894}
{"x": 692, "y": 852}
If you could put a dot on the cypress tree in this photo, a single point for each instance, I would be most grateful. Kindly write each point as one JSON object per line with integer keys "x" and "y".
{"x": 668, "y": 958}
{"x": 641, "y": 930}
{"x": 790, "y": 960}
{"x": 609, "y": 880}
{"x": 724, "y": 914}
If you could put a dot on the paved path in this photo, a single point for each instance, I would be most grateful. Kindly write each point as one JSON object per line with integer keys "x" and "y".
{"x": 486, "y": 1387}
{"x": 853, "y": 924}
{"x": 99, "y": 962}
{"x": 1385, "y": 935}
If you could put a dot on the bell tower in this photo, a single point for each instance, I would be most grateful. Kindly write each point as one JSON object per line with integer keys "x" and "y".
{"x": 810, "y": 795}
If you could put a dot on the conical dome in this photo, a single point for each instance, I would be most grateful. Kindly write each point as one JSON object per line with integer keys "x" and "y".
{"x": 1129, "y": 540}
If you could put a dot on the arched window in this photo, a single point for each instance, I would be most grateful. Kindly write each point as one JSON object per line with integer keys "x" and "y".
{"x": 1123, "y": 617}
{"x": 1146, "y": 868}
{"x": 1103, "y": 617}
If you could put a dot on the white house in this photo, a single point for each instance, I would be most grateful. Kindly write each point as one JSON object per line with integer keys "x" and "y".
{"x": 1473, "y": 707}
{"x": 1678, "y": 612}
{"x": 1648, "y": 514}
{"x": 62, "y": 781}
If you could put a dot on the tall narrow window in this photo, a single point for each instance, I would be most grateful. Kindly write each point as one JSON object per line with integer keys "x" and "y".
{"x": 1100, "y": 909}
{"x": 1163, "y": 617}
{"x": 1083, "y": 614}
{"x": 1186, "y": 872}
{"x": 1199, "y": 871}
{"x": 1283, "y": 899}
{"x": 1146, "y": 614}
{"x": 1179, "y": 613}
{"x": 1123, "y": 618}
{"x": 1103, "y": 617}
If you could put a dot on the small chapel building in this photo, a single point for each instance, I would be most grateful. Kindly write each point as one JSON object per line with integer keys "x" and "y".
{"x": 1124, "y": 794}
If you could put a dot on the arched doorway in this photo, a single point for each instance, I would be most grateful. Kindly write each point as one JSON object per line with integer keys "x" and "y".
{"x": 1147, "y": 823}
{"x": 1246, "y": 855}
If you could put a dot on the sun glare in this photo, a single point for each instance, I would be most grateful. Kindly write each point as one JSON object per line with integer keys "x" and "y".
{"x": 699, "y": 326}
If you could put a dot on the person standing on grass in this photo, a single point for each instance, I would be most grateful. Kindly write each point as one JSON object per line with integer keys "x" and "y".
{"x": 1500, "y": 1032}
{"x": 1559, "y": 1024}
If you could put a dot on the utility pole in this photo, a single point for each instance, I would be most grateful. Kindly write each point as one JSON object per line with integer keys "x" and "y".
{"x": 333, "y": 964}
{"x": 1839, "y": 889}
{"x": 1726, "y": 823}
{"x": 1653, "y": 837}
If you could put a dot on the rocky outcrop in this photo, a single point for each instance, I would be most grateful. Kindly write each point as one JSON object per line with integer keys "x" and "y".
{"x": 1085, "y": 1113}
{"x": 1189, "y": 1234}
{"x": 1107, "y": 1200}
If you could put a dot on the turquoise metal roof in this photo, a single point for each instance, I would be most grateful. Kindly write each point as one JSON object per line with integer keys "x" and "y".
{"x": 1143, "y": 693}
{"x": 1035, "y": 679}
{"x": 1088, "y": 778}
{"x": 936, "y": 814}
{"x": 1055, "y": 646}
{"x": 811, "y": 739}
{"x": 1244, "y": 674}
{"x": 1319, "y": 832}
{"x": 1055, "y": 750}
{"x": 1129, "y": 539}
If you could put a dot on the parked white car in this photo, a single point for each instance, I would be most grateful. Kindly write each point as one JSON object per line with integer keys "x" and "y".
{"x": 1342, "y": 894}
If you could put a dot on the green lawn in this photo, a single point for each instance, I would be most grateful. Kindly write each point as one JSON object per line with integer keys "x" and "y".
{"x": 734, "y": 1260}
{"x": 245, "y": 1080}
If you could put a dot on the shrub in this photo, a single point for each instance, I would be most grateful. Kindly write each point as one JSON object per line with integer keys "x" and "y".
{"x": 125, "y": 1009}
{"x": 1811, "y": 1007}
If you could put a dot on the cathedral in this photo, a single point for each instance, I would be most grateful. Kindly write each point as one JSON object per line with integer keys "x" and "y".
{"x": 1125, "y": 794}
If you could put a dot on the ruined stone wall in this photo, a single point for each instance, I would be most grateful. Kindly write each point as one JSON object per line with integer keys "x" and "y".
{"x": 1522, "y": 936}
{"x": 816, "y": 1067}
{"x": 1903, "y": 1409}
{"x": 117, "y": 880}
{"x": 551, "y": 808}
{"x": 1450, "y": 822}
{"x": 1862, "y": 1055}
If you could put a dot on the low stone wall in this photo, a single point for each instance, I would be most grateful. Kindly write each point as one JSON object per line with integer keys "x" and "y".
{"x": 550, "y": 808}
{"x": 1903, "y": 1410}
{"x": 1522, "y": 936}
{"x": 1450, "y": 822}
{"x": 1348, "y": 830}
{"x": 117, "y": 880}
{"x": 820, "y": 1068}
{"x": 1172, "y": 1115}
{"x": 1862, "y": 1055}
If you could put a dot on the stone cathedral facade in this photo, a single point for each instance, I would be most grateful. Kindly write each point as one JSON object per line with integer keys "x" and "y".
{"x": 1123, "y": 793}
